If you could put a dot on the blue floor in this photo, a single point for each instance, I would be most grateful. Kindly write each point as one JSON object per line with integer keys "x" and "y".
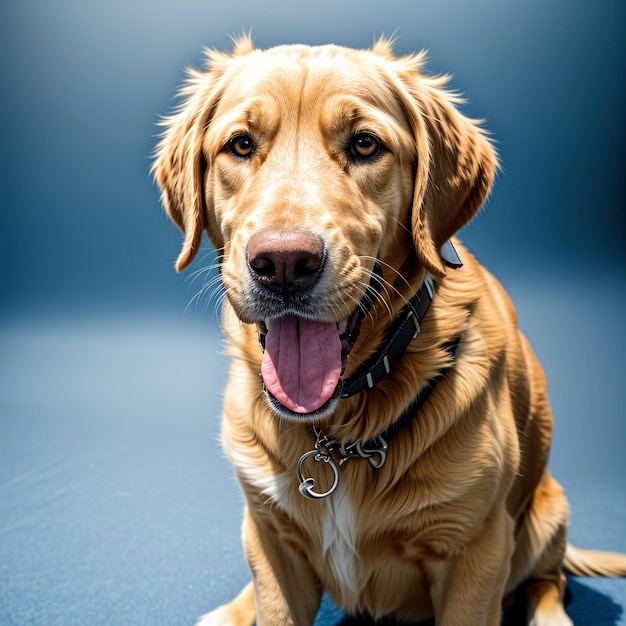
{"x": 118, "y": 507}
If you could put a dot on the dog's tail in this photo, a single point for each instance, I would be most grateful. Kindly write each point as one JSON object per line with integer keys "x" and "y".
{"x": 592, "y": 563}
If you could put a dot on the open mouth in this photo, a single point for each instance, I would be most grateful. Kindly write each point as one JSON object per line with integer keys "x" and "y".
{"x": 304, "y": 360}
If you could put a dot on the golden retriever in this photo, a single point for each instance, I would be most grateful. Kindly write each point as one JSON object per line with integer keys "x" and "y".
{"x": 387, "y": 420}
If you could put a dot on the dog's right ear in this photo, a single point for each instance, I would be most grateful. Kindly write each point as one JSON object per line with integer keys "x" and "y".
{"x": 180, "y": 166}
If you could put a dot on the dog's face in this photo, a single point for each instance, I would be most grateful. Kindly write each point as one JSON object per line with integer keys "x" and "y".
{"x": 306, "y": 175}
{"x": 305, "y": 166}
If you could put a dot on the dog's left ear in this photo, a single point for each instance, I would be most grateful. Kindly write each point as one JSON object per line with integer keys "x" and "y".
{"x": 455, "y": 168}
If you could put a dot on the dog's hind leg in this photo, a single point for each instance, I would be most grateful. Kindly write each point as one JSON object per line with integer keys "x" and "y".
{"x": 540, "y": 550}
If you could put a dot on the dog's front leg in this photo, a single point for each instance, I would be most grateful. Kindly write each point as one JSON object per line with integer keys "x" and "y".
{"x": 286, "y": 590}
{"x": 468, "y": 590}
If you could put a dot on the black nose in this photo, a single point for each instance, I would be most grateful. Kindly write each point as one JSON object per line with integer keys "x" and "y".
{"x": 285, "y": 261}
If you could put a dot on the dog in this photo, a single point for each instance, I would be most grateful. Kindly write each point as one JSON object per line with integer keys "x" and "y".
{"x": 387, "y": 421}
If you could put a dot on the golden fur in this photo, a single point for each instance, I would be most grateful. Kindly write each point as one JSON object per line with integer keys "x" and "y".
{"x": 464, "y": 510}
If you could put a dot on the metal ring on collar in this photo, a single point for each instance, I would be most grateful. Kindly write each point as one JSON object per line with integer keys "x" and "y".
{"x": 307, "y": 484}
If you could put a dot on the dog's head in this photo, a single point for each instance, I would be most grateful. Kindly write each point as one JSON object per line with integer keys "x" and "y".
{"x": 305, "y": 165}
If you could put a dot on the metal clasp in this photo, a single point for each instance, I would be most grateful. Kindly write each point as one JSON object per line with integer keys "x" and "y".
{"x": 368, "y": 450}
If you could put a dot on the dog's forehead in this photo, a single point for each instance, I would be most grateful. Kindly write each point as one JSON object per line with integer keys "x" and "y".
{"x": 285, "y": 78}
{"x": 311, "y": 64}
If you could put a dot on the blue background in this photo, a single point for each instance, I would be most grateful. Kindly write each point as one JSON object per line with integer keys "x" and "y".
{"x": 116, "y": 505}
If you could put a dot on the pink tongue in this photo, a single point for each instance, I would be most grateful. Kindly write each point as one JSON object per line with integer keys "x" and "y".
{"x": 302, "y": 362}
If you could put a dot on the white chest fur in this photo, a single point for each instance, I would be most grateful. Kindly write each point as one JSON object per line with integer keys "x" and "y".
{"x": 339, "y": 542}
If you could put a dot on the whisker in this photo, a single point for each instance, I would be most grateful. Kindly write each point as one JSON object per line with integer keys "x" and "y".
{"x": 403, "y": 226}
{"x": 213, "y": 286}
{"x": 356, "y": 303}
{"x": 371, "y": 294}
{"x": 387, "y": 290}
{"x": 387, "y": 266}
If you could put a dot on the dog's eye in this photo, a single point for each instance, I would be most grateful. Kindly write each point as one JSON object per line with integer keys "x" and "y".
{"x": 240, "y": 145}
{"x": 365, "y": 146}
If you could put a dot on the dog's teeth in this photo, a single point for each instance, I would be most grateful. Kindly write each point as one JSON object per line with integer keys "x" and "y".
{"x": 342, "y": 327}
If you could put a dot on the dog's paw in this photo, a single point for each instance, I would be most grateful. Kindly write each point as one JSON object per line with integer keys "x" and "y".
{"x": 221, "y": 616}
{"x": 240, "y": 611}
{"x": 556, "y": 618}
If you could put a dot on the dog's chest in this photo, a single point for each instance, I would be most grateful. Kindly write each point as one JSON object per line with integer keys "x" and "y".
{"x": 337, "y": 547}
{"x": 354, "y": 558}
